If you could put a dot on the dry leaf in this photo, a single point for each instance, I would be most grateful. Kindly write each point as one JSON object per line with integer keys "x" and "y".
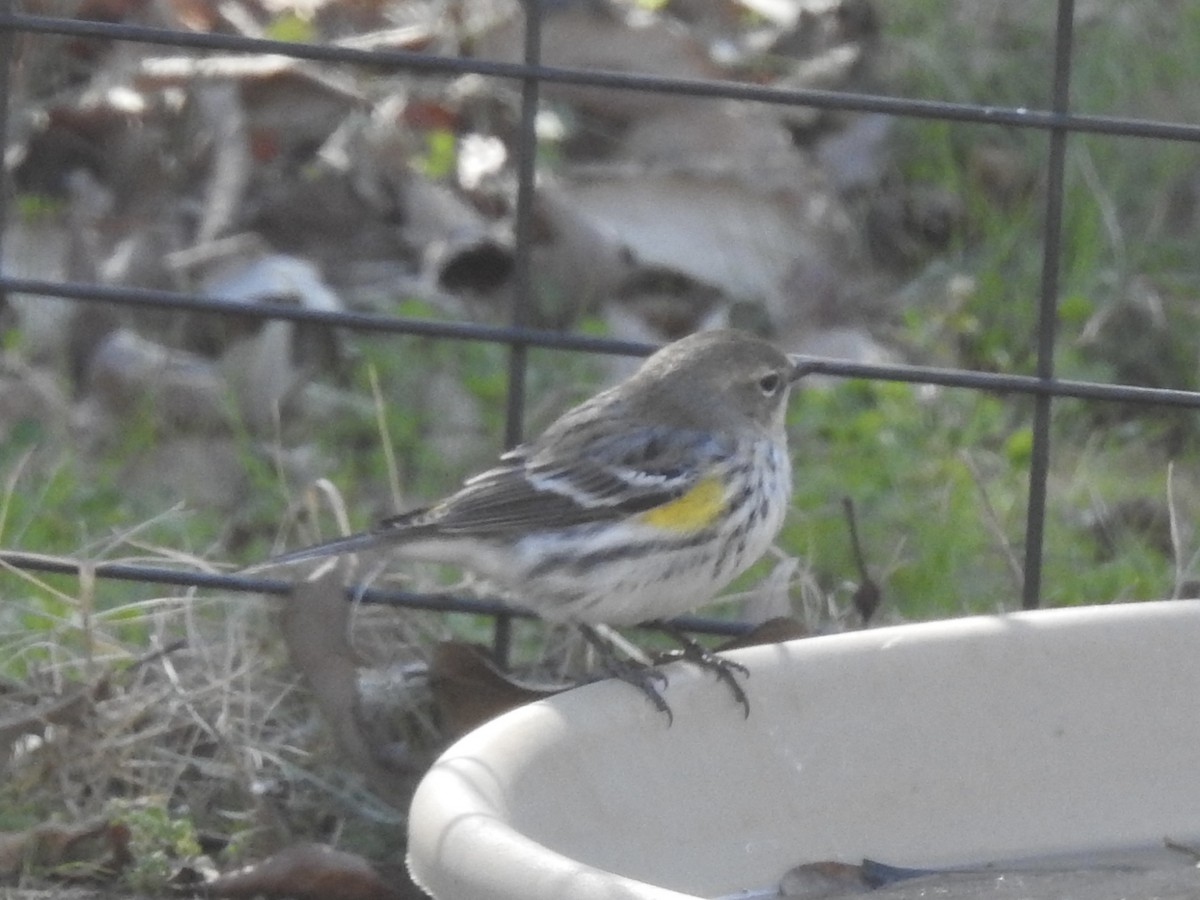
{"x": 271, "y": 89}
{"x": 772, "y": 631}
{"x": 315, "y": 623}
{"x": 734, "y": 233}
{"x": 823, "y": 879}
{"x": 95, "y": 849}
{"x": 469, "y": 689}
{"x": 579, "y": 263}
{"x": 310, "y": 872}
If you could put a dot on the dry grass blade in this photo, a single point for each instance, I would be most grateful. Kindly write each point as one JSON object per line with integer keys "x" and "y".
{"x": 315, "y": 623}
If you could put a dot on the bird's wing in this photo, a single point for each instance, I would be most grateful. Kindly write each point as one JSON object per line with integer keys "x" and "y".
{"x": 556, "y": 487}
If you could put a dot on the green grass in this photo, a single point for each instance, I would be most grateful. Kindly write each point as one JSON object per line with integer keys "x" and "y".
{"x": 1120, "y": 191}
{"x": 919, "y": 466}
{"x": 939, "y": 481}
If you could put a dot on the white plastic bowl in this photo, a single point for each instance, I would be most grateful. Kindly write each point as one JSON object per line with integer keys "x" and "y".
{"x": 957, "y": 742}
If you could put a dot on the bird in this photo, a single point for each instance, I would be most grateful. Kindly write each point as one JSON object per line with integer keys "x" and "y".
{"x": 635, "y": 506}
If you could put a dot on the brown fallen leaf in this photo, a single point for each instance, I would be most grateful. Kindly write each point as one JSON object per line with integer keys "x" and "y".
{"x": 315, "y": 623}
{"x": 94, "y": 850}
{"x": 312, "y": 872}
{"x": 823, "y": 879}
{"x": 772, "y": 631}
{"x": 469, "y": 689}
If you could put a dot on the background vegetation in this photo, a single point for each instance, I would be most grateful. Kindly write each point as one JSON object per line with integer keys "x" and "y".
{"x": 938, "y": 477}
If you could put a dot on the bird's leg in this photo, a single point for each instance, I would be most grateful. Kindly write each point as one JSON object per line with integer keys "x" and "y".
{"x": 690, "y": 650}
{"x": 645, "y": 678}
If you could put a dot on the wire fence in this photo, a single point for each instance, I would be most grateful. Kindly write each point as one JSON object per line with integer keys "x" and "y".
{"x": 1058, "y": 122}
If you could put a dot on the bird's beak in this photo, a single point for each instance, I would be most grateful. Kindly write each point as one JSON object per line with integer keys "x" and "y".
{"x": 801, "y": 366}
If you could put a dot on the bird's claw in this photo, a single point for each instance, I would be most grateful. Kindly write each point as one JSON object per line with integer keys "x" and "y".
{"x": 646, "y": 678}
{"x": 726, "y": 670}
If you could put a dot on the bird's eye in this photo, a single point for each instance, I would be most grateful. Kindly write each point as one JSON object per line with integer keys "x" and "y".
{"x": 770, "y": 383}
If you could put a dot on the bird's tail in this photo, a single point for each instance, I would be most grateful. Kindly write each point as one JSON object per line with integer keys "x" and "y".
{"x": 363, "y": 540}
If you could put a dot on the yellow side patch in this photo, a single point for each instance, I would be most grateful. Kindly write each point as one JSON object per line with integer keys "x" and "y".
{"x": 691, "y": 512}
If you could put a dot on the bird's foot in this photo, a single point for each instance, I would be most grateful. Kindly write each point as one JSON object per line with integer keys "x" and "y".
{"x": 692, "y": 651}
{"x": 646, "y": 678}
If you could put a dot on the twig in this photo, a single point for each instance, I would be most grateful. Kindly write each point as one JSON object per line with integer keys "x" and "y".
{"x": 385, "y": 437}
{"x": 1176, "y": 538}
{"x": 992, "y": 521}
{"x": 868, "y": 595}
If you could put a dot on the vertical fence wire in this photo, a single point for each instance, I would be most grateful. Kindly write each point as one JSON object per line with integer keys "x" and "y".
{"x": 522, "y": 282}
{"x": 8, "y": 43}
{"x": 1047, "y": 320}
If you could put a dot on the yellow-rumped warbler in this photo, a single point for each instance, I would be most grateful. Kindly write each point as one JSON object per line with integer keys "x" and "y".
{"x": 639, "y": 504}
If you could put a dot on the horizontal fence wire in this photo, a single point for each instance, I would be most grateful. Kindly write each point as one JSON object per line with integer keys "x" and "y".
{"x": 1058, "y": 121}
{"x": 431, "y": 64}
{"x": 254, "y": 584}
{"x": 997, "y": 382}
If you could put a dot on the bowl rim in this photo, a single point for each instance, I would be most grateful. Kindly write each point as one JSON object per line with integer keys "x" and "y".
{"x": 463, "y": 843}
